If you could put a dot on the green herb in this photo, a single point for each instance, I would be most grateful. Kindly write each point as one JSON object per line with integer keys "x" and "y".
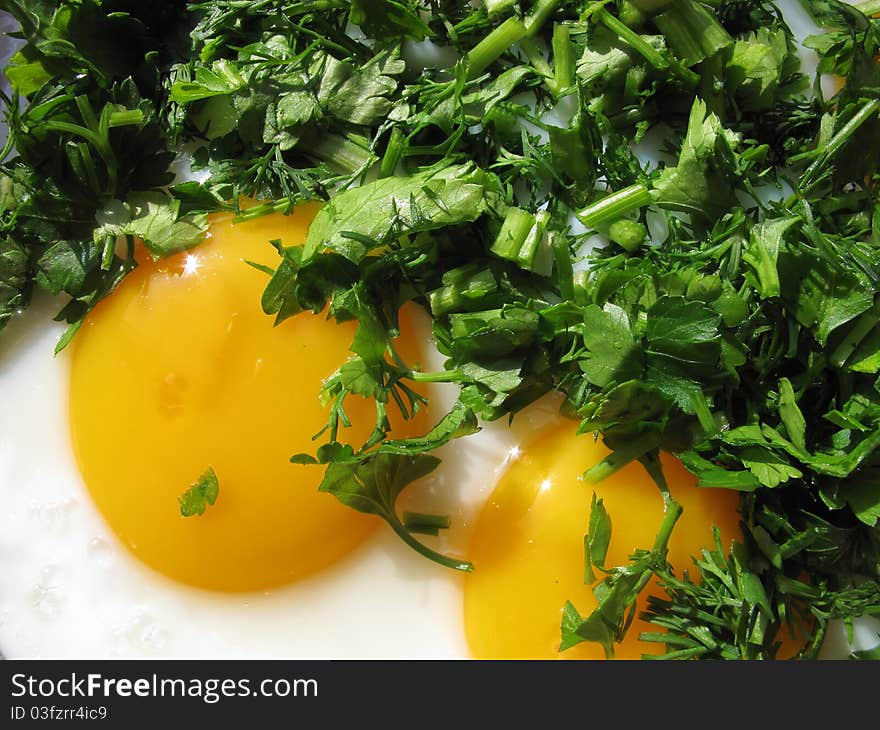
{"x": 201, "y": 495}
{"x": 731, "y": 314}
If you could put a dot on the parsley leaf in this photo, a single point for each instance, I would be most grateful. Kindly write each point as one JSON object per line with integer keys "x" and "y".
{"x": 372, "y": 485}
{"x": 701, "y": 181}
{"x": 370, "y": 215}
{"x": 14, "y": 278}
{"x": 201, "y": 495}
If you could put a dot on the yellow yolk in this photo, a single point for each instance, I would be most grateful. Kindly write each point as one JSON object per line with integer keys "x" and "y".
{"x": 179, "y": 370}
{"x": 528, "y": 545}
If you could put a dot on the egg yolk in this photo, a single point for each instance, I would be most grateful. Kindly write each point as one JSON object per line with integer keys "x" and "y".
{"x": 180, "y": 370}
{"x": 528, "y": 545}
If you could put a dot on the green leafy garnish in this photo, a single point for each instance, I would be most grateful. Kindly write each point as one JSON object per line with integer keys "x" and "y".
{"x": 373, "y": 485}
{"x": 719, "y": 300}
{"x": 201, "y": 495}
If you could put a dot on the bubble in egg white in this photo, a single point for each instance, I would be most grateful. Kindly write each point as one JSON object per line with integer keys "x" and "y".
{"x": 100, "y": 552}
{"x": 48, "y": 595}
{"x": 141, "y": 635}
{"x": 55, "y": 516}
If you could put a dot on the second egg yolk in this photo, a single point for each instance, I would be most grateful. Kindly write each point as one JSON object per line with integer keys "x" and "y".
{"x": 528, "y": 545}
{"x": 179, "y": 370}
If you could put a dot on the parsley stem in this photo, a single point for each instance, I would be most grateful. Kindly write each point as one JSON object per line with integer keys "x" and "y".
{"x": 106, "y": 149}
{"x": 97, "y": 132}
{"x": 692, "y": 31}
{"x": 425, "y": 524}
{"x": 811, "y": 176}
{"x": 12, "y": 106}
{"x": 560, "y": 77}
{"x": 649, "y": 7}
{"x": 632, "y": 39}
{"x": 126, "y": 118}
{"x": 673, "y": 511}
{"x": 631, "y": 117}
{"x": 704, "y": 413}
{"x": 536, "y": 58}
{"x": 108, "y": 252}
{"x": 446, "y": 376}
{"x": 482, "y": 55}
{"x": 461, "y": 286}
{"x": 101, "y": 145}
{"x": 564, "y": 267}
{"x": 646, "y": 50}
{"x": 863, "y": 326}
{"x": 394, "y": 152}
{"x": 563, "y": 59}
{"x": 512, "y": 30}
{"x": 652, "y": 464}
{"x": 340, "y": 152}
{"x": 282, "y": 205}
{"x": 521, "y": 240}
{"x": 87, "y": 113}
{"x": 321, "y": 39}
{"x": 74, "y": 129}
{"x": 496, "y": 6}
{"x": 542, "y": 10}
{"x": 619, "y": 458}
{"x": 444, "y": 560}
{"x": 615, "y": 205}
{"x": 80, "y": 157}
{"x": 710, "y": 90}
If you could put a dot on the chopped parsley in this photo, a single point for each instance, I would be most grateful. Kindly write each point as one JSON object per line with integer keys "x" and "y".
{"x": 201, "y": 495}
{"x": 730, "y": 314}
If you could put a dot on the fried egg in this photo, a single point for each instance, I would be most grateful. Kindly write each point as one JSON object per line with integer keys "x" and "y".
{"x": 529, "y": 544}
{"x": 180, "y": 369}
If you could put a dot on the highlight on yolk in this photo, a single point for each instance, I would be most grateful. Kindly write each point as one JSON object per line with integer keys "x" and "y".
{"x": 179, "y": 370}
{"x": 528, "y": 545}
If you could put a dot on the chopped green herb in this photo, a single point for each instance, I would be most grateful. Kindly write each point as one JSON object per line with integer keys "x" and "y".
{"x": 730, "y": 313}
{"x": 201, "y": 495}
